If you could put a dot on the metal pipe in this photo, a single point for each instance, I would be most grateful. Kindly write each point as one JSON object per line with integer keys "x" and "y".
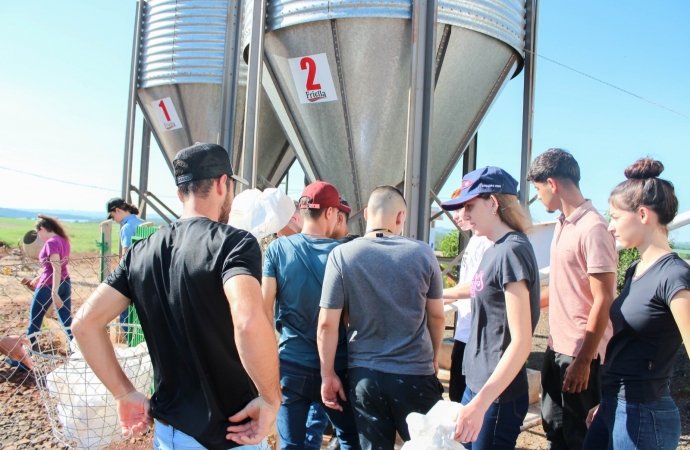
{"x": 151, "y": 204}
{"x": 422, "y": 80}
{"x": 529, "y": 74}
{"x": 231, "y": 64}
{"x": 132, "y": 104}
{"x": 251, "y": 113}
{"x": 144, "y": 166}
{"x": 160, "y": 202}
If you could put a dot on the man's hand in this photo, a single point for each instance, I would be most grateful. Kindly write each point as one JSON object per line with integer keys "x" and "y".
{"x": 134, "y": 412}
{"x": 576, "y": 376}
{"x": 262, "y": 415}
{"x": 590, "y": 416}
{"x": 436, "y": 366}
{"x": 331, "y": 387}
{"x": 469, "y": 422}
{"x": 57, "y": 301}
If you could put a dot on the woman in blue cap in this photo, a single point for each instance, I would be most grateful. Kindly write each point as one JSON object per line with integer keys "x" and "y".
{"x": 505, "y": 311}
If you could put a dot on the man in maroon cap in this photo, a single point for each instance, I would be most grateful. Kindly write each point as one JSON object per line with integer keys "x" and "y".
{"x": 293, "y": 273}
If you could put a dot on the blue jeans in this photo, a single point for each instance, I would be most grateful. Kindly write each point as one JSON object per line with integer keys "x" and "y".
{"x": 317, "y": 420}
{"x": 502, "y": 422}
{"x": 624, "y": 425}
{"x": 39, "y": 305}
{"x": 301, "y": 387}
{"x": 382, "y": 402}
{"x": 166, "y": 437}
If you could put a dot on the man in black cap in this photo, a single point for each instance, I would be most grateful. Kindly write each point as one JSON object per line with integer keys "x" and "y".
{"x": 195, "y": 285}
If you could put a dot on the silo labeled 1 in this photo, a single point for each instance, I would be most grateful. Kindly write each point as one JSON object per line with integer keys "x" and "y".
{"x": 313, "y": 78}
{"x": 167, "y": 114}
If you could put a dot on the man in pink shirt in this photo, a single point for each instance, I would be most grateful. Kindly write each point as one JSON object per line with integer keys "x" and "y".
{"x": 582, "y": 283}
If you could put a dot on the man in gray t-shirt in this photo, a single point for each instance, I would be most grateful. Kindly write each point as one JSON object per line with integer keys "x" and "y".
{"x": 390, "y": 289}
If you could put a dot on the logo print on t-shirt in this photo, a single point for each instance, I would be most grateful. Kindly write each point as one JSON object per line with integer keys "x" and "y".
{"x": 477, "y": 284}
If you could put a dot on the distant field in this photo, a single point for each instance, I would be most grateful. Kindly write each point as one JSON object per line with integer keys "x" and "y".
{"x": 83, "y": 235}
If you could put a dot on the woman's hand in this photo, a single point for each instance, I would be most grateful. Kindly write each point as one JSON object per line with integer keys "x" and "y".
{"x": 470, "y": 421}
{"x": 57, "y": 301}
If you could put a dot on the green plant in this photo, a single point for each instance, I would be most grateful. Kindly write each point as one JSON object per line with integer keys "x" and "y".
{"x": 448, "y": 246}
{"x": 625, "y": 258}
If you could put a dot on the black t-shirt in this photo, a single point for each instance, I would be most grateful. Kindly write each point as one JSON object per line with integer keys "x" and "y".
{"x": 509, "y": 260}
{"x": 646, "y": 339}
{"x": 175, "y": 280}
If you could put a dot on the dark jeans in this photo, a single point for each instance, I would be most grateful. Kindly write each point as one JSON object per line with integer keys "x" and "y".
{"x": 502, "y": 422}
{"x": 382, "y": 402}
{"x": 301, "y": 387}
{"x": 623, "y": 425}
{"x": 39, "y": 305}
{"x": 457, "y": 380}
{"x": 564, "y": 415}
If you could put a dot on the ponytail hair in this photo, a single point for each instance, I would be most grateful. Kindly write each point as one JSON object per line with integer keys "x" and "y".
{"x": 511, "y": 212}
{"x": 643, "y": 187}
{"x": 130, "y": 208}
{"x": 52, "y": 225}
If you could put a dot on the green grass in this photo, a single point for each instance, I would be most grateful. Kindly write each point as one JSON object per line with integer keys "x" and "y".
{"x": 83, "y": 235}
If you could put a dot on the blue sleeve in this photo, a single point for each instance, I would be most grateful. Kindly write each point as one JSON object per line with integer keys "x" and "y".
{"x": 269, "y": 260}
{"x": 126, "y": 234}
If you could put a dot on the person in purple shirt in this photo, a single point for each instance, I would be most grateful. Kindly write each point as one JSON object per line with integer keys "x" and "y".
{"x": 53, "y": 284}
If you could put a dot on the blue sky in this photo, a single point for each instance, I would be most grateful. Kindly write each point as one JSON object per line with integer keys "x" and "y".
{"x": 64, "y": 83}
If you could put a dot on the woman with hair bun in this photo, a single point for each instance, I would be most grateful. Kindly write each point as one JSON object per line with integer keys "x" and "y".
{"x": 651, "y": 319}
{"x": 54, "y": 283}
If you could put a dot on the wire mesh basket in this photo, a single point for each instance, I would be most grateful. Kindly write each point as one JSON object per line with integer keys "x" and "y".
{"x": 82, "y": 412}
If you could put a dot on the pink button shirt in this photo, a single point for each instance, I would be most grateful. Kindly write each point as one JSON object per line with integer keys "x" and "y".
{"x": 581, "y": 246}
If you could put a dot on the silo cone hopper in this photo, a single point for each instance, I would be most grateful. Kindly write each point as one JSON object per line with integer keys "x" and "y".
{"x": 180, "y": 80}
{"x": 344, "y": 66}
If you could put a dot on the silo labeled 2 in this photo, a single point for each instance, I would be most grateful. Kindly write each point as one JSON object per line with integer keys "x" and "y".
{"x": 167, "y": 114}
{"x": 313, "y": 78}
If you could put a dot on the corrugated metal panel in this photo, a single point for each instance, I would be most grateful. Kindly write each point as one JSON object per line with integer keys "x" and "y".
{"x": 501, "y": 19}
{"x": 183, "y": 42}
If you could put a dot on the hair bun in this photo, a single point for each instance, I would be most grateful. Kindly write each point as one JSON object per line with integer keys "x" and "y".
{"x": 644, "y": 168}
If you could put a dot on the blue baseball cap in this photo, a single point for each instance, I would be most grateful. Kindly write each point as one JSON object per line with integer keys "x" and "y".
{"x": 488, "y": 180}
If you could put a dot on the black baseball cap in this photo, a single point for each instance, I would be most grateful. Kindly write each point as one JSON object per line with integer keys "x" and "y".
{"x": 115, "y": 202}
{"x": 203, "y": 161}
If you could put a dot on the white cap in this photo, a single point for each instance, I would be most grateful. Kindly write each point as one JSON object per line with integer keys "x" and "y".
{"x": 261, "y": 213}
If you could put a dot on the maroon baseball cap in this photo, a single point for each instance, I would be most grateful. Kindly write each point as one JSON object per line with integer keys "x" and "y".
{"x": 323, "y": 195}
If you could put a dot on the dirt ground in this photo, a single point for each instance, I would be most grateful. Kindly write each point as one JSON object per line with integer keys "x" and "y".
{"x": 24, "y": 423}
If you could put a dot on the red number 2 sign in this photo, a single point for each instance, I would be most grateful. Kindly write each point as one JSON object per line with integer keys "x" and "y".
{"x": 308, "y": 63}
{"x": 308, "y": 87}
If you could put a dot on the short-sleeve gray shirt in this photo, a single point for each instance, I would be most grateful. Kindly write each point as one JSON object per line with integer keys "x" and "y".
{"x": 509, "y": 260}
{"x": 384, "y": 283}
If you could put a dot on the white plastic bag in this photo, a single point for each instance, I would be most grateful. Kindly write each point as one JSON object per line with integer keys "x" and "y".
{"x": 85, "y": 408}
{"x": 435, "y": 430}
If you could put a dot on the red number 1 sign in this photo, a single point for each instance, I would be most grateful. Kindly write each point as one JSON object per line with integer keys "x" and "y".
{"x": 313, "y": 80}
{"x": 166, "y": 114}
